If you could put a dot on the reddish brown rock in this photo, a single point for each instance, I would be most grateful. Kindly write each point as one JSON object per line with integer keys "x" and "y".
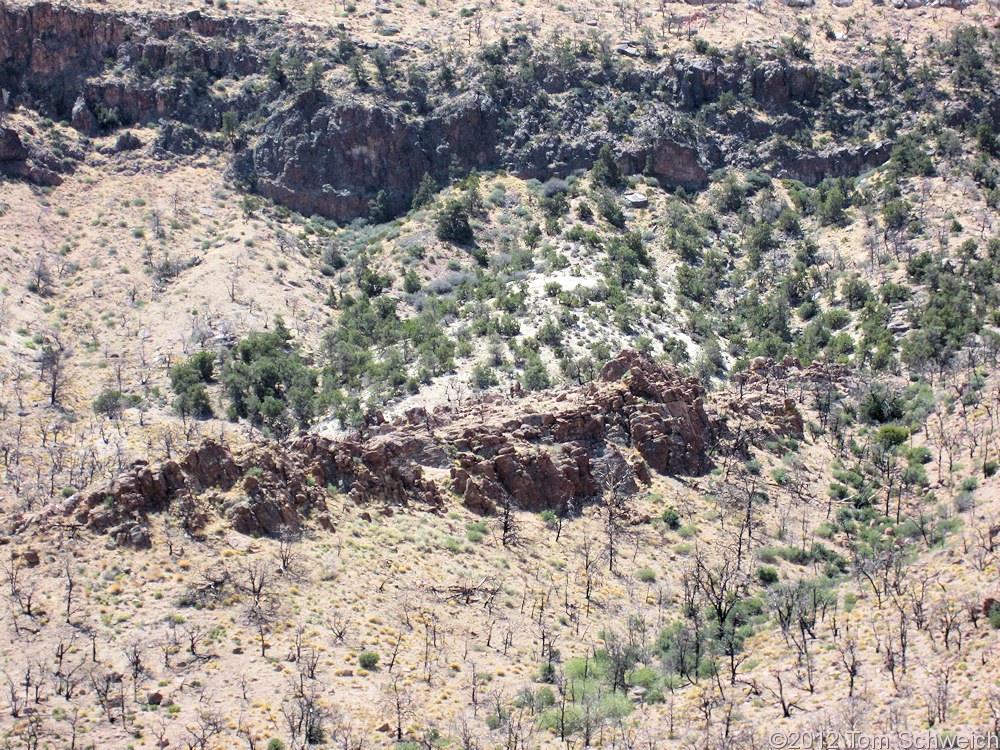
{"x": 540, "y": 450}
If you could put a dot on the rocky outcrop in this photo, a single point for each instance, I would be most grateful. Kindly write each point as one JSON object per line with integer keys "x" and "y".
{"x": 121, "y": 508}
{"x": 776, "y": 84}
{"x": 330, "y": 157}
{"x": 812, "y": 168}
{"x": 539, "y": 451}
{"x": 11, "y": 147}
{"x": 542, "y": 451}
{"x": 674, "y": 164}
{"x": 48, "y": 52}
{"x": 275, "y": 494}
{"x": 762, "y": 403}
{"x": 17, "y": 161}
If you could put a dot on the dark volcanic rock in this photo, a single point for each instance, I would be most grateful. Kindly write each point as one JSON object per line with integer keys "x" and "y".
{"x": 674, "y": 164}
{"x": 777, "y": 84}
{"x": 16, "y": 160}
{"x": 331, "y": 157}
{"x": 82, "y": 118}
{"x": 812, "y": 168}
{"x": 48, "y": 52}
{"x": 11, "y": 147}
{"x": 178, "y": 138}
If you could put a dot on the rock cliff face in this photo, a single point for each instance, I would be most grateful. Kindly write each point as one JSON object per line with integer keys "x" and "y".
{"x": 327, "y": 157}
{"x": 845, "y": 161}
{"x": 49, "y": 53}
{"x": 330, "y": 153}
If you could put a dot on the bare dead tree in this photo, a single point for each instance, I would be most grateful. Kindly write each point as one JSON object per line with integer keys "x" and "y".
{"x": 851, "y": 661}
{"x": 938, "y": 696}
{"x": 617, "y": 484}
{"x": 261, "y": 616}
{"x": 206, "y": 727}
{"x": 508, "y": 524}
{"x": 70, "y": 580}
{"x": 288, "y": 539}
{"x": 257, "y": 575}
{"x": 305, "y": 713}
{"x": 52, "y": 368}
{"x": 780, "y": 693}
{"x": 398, "y": 703}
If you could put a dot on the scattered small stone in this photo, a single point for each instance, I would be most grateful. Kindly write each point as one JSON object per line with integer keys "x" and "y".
{"x": 30, "y": 558}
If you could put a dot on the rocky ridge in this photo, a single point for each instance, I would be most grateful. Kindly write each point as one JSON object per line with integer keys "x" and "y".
{"x": 536, "y": 451}
{"x": 329, "y": 152}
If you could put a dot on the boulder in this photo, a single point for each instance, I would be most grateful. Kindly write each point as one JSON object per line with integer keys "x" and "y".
{"x": 636, "y": 200}
{"x": 83, "y": 119}
{"x": 11, "y": 147}
{"x": 127, "y": 141}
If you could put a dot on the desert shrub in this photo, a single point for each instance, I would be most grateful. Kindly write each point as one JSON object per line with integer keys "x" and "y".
{"x": 536, "y": 375}
{"x": 627, "y": 256}
{"x": 672, "y": 519}
{"x": 483, "y": 377}
{"x": 995, "y": 616}
{"x": 609, "y": 208}
{"x": 891, "y": 293}
{"x": 837, "y": 318}
{"x": 857, "y": 293}
{"x": 204, "y": 363}
{"x": 424, "y": 195}
{"x": 368, "y": 660}
{"x": 646, "y": 575}
{"x": 475, "y": 531}
{"x": 411, "y": 282}
{"x": 730, "y": 195}
{"x": 688, "y": 531}
{"x": 606, "y": 170}
{"x": 767, "y": 575}
{"x": 896, "y": 213}
{"x": 269, "y": 382}
{"x": 881, "y": 405}
{"x": 110, "y": 403}
{"x": 890, "y": 435}
{"x": 909, "y": 158}
{"x": 187, "y": 381}
{"x": 452, "y": 223}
